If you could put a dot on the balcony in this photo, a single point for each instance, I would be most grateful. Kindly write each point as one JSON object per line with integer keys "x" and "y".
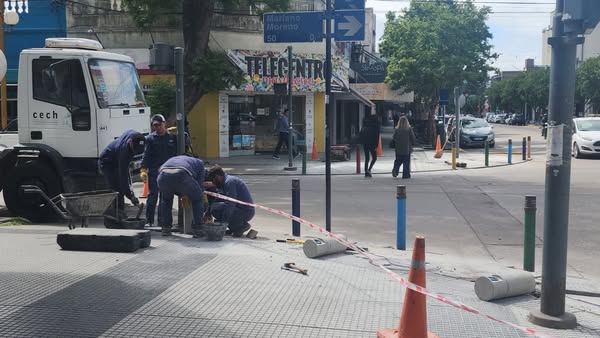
{"x": 368, "y": 67}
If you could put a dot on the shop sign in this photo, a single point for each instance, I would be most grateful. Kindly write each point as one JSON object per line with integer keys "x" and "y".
{"x": 263, "y": 69}
{"x": 382, "y": 92}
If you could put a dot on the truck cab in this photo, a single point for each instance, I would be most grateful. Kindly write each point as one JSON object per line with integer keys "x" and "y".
{"x": 73, "y": 100}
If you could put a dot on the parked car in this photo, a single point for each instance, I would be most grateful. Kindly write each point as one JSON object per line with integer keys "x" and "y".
{"x": 476, "y": 132}
{"x": 500, "y": 118}
{"x": 586, "y": 136}
{"x": 517, "y": 120}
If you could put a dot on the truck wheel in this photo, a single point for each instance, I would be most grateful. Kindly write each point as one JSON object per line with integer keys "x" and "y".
{"x": 28, "y": 205}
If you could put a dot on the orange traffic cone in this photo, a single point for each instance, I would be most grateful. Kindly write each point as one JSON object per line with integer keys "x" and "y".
{"x": 413, "y": 320}
{"x": 438, "y": 144}
{"x": 315, "y": 152}
{"x": 379, "y": 148}
{"x": 145, "y": 192}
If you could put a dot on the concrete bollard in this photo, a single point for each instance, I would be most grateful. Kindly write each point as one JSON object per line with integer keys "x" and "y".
{"x": 529, "y": 234}
{"x": 317, "y": 247}
{"x": 401, "y": 217}
{"x": 509, "y": 284}
{"x": 296, "y": 206}
{"x": 524, "y": 149}
{"x": 509, "y": 151}
{"x": 357, "y": 159}
{"x": 528, "y": 147}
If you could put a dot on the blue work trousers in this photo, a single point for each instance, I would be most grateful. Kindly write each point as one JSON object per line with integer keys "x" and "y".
{"x": 113, "y": 184}
{"x": 180, "y": 183}
{"x": 153, "y": 195}
{"x": 237, "y": 219}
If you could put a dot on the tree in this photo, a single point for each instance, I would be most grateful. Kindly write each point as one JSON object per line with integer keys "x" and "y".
{"x": 588, "y": 83}
{"x": 162, "y": 97}
{"x": 195, "y": 17}
{"x": 530, "y": 88}
{"x": 437, "y": 44}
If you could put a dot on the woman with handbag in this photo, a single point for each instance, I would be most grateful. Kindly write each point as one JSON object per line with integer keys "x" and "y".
{"x": 404, "y": 139}
{"x": 369, "y": 137}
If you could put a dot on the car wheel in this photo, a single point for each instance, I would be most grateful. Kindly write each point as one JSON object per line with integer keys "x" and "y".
{"x": 32, "y": 206}
{"x": 576, "y": 152}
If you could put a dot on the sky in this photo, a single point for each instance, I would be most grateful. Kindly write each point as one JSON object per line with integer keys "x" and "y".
{"x": 516, "y": 26}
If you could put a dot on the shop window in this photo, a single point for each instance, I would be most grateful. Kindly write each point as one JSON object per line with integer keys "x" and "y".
{"x": 61, "y": 82}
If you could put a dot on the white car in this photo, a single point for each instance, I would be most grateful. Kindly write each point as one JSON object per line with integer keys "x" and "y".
{"x": 586, "y": 136}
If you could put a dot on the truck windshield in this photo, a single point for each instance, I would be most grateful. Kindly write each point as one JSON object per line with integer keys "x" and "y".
{"x": 116, "y": 84}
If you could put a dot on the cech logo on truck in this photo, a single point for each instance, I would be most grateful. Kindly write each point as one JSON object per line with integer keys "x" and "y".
{"x": 46, "y": 115}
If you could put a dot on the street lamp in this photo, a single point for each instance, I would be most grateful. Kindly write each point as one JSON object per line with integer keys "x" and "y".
{"x": 10, "y": 19}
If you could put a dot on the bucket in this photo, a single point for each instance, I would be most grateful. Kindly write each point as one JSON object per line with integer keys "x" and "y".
{"x": 215, "y": 231}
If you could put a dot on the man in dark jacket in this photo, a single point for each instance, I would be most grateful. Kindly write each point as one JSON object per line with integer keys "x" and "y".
{"x": 236, "y": 215}
{"x": 369, "y": 136}
{"x": 283, "y": 127}
{"x": 114, "y": 164}
{"x": 182, "y": 176}
{"x": 160, "y": 146}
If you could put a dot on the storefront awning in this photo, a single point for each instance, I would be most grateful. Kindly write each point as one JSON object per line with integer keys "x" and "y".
{"x": 362, "y": 98}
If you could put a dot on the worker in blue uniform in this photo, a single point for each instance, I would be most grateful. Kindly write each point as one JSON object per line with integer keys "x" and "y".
{"x": 114, "y": 164}
{"x": 182, "y": 176}
{"x": 236, "y": 215}
{"x": 160, "y": 146}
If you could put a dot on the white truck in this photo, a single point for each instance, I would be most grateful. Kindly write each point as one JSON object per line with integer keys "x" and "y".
{"x": 73, "y": 100}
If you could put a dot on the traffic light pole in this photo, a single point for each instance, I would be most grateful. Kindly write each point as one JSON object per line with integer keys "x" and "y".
{"x": 328, "y": 117}
{"x": 558, "y": 175}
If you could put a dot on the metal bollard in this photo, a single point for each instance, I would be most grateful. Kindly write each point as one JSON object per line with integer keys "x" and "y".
{"x": 509, "y": 151}
{"x": 357, "y": 159}
{"x": 524, "y": 150}
{"x": 296, "y": 206}
{"x": 529, "y": 235}
{"x": 487, "y": 154}
{"x": 401, "y": 217}
{"x": 304, "y": 162}
{"x": 529, "y": 147}
{"x": 453, "y": 157}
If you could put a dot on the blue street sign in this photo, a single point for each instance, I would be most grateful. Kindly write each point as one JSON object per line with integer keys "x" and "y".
{"x": 293, "y": 27}
{"x": 444, "y": 96}
{"x": 349, "y": 25}
{"x": 349, "y": 4}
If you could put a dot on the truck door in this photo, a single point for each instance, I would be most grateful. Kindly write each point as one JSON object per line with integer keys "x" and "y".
{"x": 59, "y": 114}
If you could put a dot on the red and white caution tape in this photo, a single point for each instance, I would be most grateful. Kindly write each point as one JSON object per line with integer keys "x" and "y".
{"x": 389, "y": 272}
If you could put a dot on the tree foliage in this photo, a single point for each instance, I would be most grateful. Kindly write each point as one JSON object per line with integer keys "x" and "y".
{"x": 531, "y": 88}
{"x": 588, "y": 82}
{"x": 195, "y": 18}
{"x": 437, "y": 44}
{"x": 162, "y": 97}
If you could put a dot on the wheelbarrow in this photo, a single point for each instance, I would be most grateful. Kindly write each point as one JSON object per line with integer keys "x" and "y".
{"x": 81, "y": 205}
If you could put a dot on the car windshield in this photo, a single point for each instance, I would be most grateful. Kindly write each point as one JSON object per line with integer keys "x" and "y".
{"x": 474, "y": 123}
{"x": 116, "y": 84}
{"x": 588, "y": 125}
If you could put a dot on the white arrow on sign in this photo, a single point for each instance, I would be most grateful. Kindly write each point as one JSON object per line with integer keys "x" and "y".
{"x": 351, "y": 26}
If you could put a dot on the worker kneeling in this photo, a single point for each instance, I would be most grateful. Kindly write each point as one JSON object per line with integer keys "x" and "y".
{"x": 236, "y": 215}
{"x": 182, "y": 176}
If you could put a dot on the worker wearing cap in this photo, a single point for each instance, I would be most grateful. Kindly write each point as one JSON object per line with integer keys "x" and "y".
{"x": 160, "y": 146}
{"x": 182, "y": 176}
{"x": 236, "y": 215}
{"x": 114, "y": 164}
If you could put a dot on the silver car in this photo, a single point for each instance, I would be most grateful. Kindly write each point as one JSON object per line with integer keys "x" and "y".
{"x": 586, "y": 136}
{"x": 476, "y": 132}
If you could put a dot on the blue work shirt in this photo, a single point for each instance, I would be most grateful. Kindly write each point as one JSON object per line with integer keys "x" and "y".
{"x": 158, "y": 150}
{"x": 116, "y": 158}
{"x": 234, "y": 187}
{"x": 283, "y": 126}
{"x": 194, "y": 166}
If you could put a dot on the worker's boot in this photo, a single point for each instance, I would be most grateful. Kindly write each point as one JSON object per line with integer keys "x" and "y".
{"x": 166, "y": 230}
{"x": 198, "y": 231}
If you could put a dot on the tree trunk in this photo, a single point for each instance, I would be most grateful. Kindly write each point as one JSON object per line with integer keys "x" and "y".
{"x": 197, "y": 15}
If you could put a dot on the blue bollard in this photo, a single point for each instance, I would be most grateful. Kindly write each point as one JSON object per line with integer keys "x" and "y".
{"x": 509, "y": 151}
{"x": 401, "y": 217}
{"x": 524, "y": 157}
{"x": 296, "y": 206}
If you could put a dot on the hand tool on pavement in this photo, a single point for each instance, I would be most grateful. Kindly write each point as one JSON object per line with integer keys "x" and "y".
{"x": 292, "y": 267}
{"x": 290, "y": 240}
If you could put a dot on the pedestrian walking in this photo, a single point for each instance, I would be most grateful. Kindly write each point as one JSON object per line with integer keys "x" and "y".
{"x": 182, "y": 176}
{"x": 369, "y": 137}
{"x": 283, "y": 127}
{"x": 396, "y": 118}
{"x": 404, "y": 140}
{"x": 160, "y": 146}
{"x": 236, "y": 215}
{"x": 114, "y": 165}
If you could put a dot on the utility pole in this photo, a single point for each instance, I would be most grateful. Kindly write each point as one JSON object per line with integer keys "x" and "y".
{"x": 328, "y": 117}
{"x": 568, "y": 23}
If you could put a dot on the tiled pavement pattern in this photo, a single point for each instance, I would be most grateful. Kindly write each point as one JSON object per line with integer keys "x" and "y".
{"x": 235, "y": 288}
